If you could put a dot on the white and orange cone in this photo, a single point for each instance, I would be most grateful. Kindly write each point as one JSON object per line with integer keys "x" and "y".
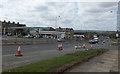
{"x": 84, "y": 45}
{"x": 19, "y": 53}
{"x": 60, "y": 46}
{"x": 91, "y": 47}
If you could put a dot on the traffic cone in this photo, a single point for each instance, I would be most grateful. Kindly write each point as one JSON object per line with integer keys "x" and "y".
{"x": 19, "y": 53}
{"x": 84, "y": 45}
{"x": 91, "y": 47}
{"x": 60, "y": 46}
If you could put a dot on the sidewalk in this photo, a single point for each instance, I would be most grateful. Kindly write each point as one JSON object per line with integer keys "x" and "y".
{"x": 107, "y": 62}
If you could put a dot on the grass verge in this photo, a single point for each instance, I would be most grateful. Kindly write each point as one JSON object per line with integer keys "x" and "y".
{"x": 56, "y": 63}
{"x": 114, "y": 40}
{"x": 113, "y": 44}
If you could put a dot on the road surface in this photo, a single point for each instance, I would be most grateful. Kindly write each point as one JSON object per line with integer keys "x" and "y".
{"x": 32, "y": 53}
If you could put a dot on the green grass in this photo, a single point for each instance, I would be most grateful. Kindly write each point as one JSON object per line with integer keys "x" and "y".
{"x": 113, "y": 43}
{"x": 114, "y": 40}
{"x": 49, "y": 64}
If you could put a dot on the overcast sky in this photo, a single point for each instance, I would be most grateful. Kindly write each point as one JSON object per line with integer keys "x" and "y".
{"x": 77, "y": 15}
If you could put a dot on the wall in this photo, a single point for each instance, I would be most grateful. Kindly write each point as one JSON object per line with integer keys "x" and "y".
{"x": 14, "y": 40}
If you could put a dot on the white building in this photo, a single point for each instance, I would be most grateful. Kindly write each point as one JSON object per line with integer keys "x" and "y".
{"x": 49, "y": 34}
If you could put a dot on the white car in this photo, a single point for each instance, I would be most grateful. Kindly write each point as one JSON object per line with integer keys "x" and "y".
{"x": 78, "y": 47}
{"x": 61, "y": 40}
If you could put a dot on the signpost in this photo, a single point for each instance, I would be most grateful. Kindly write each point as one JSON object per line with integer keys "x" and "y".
{"x": 117, "y": 35}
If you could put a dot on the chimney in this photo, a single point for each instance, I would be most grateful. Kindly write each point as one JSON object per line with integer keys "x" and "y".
{"x": 17, "y": 22}
{"x": 9, "y": 22}
{"x": 4, "y": 21}
{"x": 13, "y": 22}
{"x": 59, "y": 27}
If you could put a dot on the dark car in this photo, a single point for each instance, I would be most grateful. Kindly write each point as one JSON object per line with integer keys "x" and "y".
{"x": 91, "y": 41}
{"x": 95, "y": 40}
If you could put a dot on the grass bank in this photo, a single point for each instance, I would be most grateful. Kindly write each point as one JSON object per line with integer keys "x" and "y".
{"x": 114, "y": 40}
{"x": 51, "y": 65}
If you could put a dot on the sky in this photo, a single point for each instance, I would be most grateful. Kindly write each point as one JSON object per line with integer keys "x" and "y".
{"x": 67, "y": 14}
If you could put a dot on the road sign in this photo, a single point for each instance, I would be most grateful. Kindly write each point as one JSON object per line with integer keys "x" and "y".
{"x": 117, "y": 34}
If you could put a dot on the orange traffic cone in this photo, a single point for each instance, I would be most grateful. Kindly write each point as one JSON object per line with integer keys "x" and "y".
{"x": 84, "y": 45}
{"x": 60, "y": 46}
{"x": 19, "y": 53}
{"x": 91, "y": 47}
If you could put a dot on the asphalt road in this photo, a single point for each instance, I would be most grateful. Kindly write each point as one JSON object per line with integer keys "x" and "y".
{"x": 32, "y": 53}
{"x": 12, "y": 49}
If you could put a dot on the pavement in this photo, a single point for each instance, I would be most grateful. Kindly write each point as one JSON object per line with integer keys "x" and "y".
{"x": 107, "y": 62}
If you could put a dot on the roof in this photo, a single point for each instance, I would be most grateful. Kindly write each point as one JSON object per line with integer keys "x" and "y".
{"x": 27, "y": 27}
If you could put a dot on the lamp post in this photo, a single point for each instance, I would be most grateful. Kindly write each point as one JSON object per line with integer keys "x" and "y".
{"x": 56, "y": 21}
{"x": 117, "y": 35}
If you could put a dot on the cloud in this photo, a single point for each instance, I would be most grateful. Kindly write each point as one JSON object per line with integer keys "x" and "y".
{"x": 67, "y": 21}
{"x": 78, "y": 15}
{"x": 1, "y": 6}
{"x": 107, "y": 4}
{"x": 42, "y": 8}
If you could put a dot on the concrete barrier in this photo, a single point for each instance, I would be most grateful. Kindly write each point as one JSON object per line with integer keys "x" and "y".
{"x": 15, "y": 40}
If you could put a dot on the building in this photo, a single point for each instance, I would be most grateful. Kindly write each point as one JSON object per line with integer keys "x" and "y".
{"x": 80, "y": 35}
{"x": 50, "y": 34}
{"x": 118, "y": 17}
{"x": 6, "y": 27}
{"x": 69, "y": 32}
{"x": 44, "y": 32}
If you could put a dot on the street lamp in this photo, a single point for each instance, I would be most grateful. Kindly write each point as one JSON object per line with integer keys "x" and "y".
{"x": 117, "y": 35}
{"x": 56, "y": 21}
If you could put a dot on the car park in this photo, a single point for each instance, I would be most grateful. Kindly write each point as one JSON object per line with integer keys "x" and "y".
{"x": 9, "y": 34}
{"x": 29, "y": 36}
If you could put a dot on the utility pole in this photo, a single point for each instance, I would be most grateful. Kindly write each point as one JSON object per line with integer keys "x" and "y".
{"x": 4, "y": 31}
{"x": 56, "y": 21}
{"x": 117, "y": 35}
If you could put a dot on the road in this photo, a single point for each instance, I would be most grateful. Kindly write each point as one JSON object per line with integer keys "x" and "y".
{"x": 107, "y": 62}
{"x": 12, "y": 49}
{"x": 32, "y": 53}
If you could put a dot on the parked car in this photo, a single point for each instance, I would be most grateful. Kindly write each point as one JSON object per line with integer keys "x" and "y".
{"x": 29, "y": 36}
{"x": 91, "y": 41}
{"x": 78, "y": 47}
{"x": 103, "y": 41}
{"x": 37, "y": 36}
{"x": 96, "y": 40}
{"x": 9, "y": 34}
{"x": 61, "y": 40}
